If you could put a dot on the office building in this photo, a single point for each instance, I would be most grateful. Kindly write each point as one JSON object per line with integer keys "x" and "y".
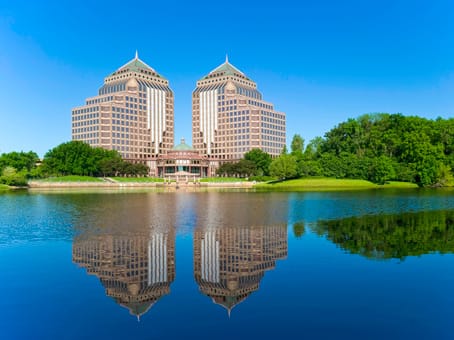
{"x": 230, "y": 117}
{"x": 132, "y": 113}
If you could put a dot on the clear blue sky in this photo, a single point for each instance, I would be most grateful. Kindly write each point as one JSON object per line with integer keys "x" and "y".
{"x": 319, "y": 61}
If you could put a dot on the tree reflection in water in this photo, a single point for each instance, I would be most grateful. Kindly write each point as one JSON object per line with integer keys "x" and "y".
{"x": 392, "y": 236}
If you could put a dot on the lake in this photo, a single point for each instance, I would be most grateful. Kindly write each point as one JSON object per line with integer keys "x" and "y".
{"x": 227, "y": 265}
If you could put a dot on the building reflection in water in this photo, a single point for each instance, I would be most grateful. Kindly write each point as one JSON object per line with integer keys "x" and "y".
{"x": 135, "y": 270}
{"x": 135, "y": 263}
{"x": 230, "y": 262}
{"x": 235, "y": 244}
{"x": 130, "y": 244}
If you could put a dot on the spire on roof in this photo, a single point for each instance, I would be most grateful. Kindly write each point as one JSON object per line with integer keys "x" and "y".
{"x": 226, "y": 69}
{"x": 136, "y": 64}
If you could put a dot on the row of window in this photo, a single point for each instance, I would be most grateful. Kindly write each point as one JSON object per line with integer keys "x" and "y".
{"x": 86, "y": 135}
{"x": 106, "y": 89}
{"x": 123, "y": 122}
{"x": 273, "y": 138}
{"x": 273, "y": 144}
{"x": 235, "y": 119}
{"x": 249, "y": 93}
{"x": 123, "y": 110}
{"x": 123, "y": 116}
{"x": 226, "y": 102}
{"x": 273, "y": 115}
{"x": 273, "y": 131}
{"x": 235, "y": 125}
{"x": 120, "y": 135}
{"x": 100, "y": 100}
{"x": 86, "y": 123}
{"x": 120, "y": 128}
{"x": 85, "y": 129}
{"x": 132, "y": 99}
{"x": 237, "y": 113}
{"x": 274, "y": 127}
{"x": 86, "y": 110}
{"x": 85, "y": 116}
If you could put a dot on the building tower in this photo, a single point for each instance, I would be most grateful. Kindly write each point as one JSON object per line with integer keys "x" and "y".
{"x": 132, "y": 113}
{"x": 229, "y": 116}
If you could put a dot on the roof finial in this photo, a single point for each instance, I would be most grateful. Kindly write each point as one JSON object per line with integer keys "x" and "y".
{"x": 137, "y": 55}
{"x": 226, "y": 58}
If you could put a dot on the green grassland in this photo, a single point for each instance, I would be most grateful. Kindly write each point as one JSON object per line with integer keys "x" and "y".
{"x": 403, "y": 185}
{"x": 137, "y": 179}
{"x": 4, "y": 187}
{"x": 324, "y": 183}
{"x": 71, "y": 179}
{"x": 222, "y": 179}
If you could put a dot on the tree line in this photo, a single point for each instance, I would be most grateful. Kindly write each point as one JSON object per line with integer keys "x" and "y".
{"x": 71, "y": 158}
{"x": 383, "y": 147}
{"x": 375, "y": 147}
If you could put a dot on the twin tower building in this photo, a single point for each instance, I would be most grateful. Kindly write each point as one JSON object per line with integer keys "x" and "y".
{"x": 133, "y": 113}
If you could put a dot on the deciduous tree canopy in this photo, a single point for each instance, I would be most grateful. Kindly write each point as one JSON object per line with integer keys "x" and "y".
{"x": 78, "y": 158}
{"x": 382, "y": 147}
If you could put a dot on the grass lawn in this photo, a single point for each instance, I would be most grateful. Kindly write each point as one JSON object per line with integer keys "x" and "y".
{"x": 137, "y": 179}
{"x": 324, "y": 183}
{"x": 450, "y": 183}
{"x": 72, "y": 179}
{"x": 403, "y": 185}
{"x": 222, "y": 179}
{"x": 4, "y": 187}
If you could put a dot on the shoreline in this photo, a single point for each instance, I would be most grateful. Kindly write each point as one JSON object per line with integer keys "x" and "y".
{"x": 158, "y": 185}
{"x": 298, "y": 185}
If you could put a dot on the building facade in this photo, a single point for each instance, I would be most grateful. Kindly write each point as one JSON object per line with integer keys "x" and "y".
{"x": 230, "y": 117}
{"x": 132, "y": 113}
{"x": 184, "y": 163}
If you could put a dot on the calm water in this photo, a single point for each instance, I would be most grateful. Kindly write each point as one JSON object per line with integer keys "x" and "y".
{"x": 359, "y": 265}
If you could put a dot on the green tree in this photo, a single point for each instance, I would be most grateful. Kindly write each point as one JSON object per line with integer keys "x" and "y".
{"x": 383, "y": 146}
{"x": 284, "y": 150}
{"x": 10, "y": 176}
{"x": 284, "y": 167}
{"x": 309, "y": 168}
{"x": 226, "y": 169}
{"x": 19, "y": 160}
{"x": 297, "y": 145}
{"x": 77, "y": 158}
{"x": 313, "y": 149}
{"x": 141, "y": 169}
{"x": 261, "y": 159}
{"x": 382, "y": 170}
